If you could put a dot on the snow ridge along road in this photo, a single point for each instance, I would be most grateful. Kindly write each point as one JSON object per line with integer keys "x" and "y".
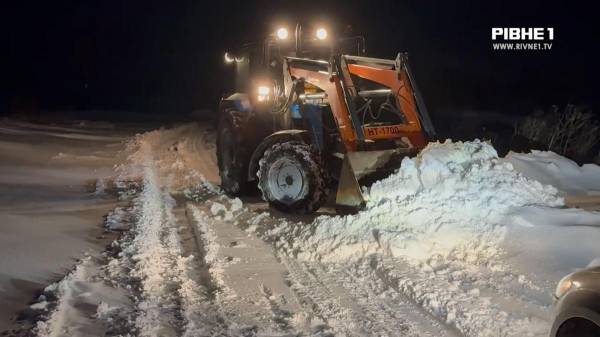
{"x": 158, "y": 281}
{"x": 434, "y": 254}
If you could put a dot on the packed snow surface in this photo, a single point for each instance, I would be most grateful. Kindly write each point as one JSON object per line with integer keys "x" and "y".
{"x": 48, "y": 215}
{"x": 457, "y": 242}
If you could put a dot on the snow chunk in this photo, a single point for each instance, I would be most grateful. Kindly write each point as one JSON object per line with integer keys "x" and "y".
{"x": 217, "y": 209}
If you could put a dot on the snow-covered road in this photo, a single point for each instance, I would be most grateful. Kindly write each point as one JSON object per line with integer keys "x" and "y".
{"x": 49, "y": 213}
{"x": 447, "y": 246}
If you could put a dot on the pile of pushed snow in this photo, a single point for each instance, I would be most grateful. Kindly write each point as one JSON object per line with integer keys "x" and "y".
{"x": 450, "y": 199}
{"x": 563, "y": 173}
{"x": 182, "y": 154}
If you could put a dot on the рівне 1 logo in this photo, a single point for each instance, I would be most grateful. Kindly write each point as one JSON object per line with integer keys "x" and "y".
{"x": 528, "y": 34}
{"x": 513, "y": 38}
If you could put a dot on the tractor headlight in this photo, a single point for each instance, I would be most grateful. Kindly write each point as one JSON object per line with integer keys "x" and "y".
{"x": 229, "y": 58}
{"x": 321, "y": 34}
{"x": 263, "y": 93}
{"x": 282, "y": 33}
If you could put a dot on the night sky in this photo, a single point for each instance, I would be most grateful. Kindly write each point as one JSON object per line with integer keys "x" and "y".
{"x": 166, "y": 57}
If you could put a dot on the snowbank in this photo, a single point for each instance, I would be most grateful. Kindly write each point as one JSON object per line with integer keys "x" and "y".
{"x": 452, "y": 196}
{"x": 550, "y": 168}
{"x": 184, "y": 155}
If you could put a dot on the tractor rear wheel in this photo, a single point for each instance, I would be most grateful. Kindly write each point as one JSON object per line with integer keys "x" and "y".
{"x": 232, "y": 153}
{"x": 292, "y": 177}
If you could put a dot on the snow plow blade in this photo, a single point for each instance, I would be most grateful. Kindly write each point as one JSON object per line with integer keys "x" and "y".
{"x": 357, "y": 166}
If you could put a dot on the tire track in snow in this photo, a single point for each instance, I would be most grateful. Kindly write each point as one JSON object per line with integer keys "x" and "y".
{"x": 317, "y": 298}
{"x": 344, "y": 293}
{"x": 362, "y": 275}
{"x": 174, "y": 303}
{"x": 355, "y": 305}
{"x": 469, "y": 309}
{"x": 252, "y": 294}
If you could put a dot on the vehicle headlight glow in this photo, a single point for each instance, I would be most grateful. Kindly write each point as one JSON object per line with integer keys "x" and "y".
{"x": 321, "y": 33}
{"x": 229, "y": 58}
{"x": 263, "y": 93}
{"x": 282, "y": 33}
{"x": 262, "y": 90}
{"x": 563, "y": 286}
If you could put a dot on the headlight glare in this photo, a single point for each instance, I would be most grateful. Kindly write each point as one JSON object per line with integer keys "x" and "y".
{"x": 282, "y": 33}
{"x": 321, "y": 33}
{"x": 263, "y": 90}
{"x": 229, "y": 58}
{"x": 263, "y": 93}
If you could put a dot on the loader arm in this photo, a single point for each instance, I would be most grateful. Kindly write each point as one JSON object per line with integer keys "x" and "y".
{"x": 330, "y": 83}
{"x": 369, "y": 147}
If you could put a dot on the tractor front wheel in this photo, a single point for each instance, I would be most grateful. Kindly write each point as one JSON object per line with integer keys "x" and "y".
{"x": 292, "y": 177}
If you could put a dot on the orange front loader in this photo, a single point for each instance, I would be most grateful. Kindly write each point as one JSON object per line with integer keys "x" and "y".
{"x": 368, "y": 147}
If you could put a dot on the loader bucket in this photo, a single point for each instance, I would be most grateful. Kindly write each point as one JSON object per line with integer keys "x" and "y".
{"x": 358, "y": 166}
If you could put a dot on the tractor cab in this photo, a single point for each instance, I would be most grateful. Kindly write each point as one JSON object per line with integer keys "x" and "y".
{"x": 262, "y": 64}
